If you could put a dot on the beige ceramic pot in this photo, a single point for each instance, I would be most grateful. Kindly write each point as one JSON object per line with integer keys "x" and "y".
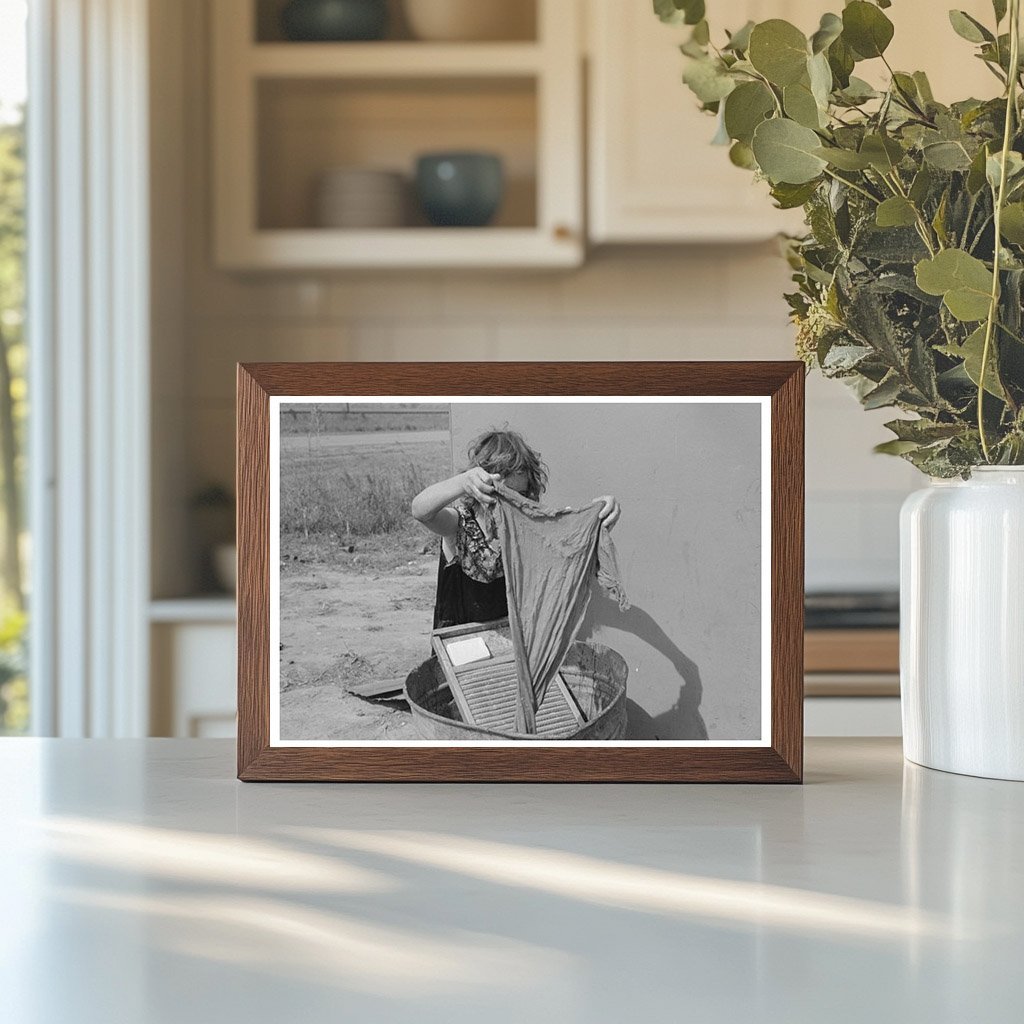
{"x": 470, "y": 20}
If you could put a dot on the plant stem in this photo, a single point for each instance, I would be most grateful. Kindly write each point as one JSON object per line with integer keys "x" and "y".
{"x": 771, "y": 90}
{"x": 855, "y": 187}
{"x": 993, "y": 309}
{"x": 922, "y": 225}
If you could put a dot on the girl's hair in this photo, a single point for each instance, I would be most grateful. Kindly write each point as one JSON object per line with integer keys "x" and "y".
{"x": 505, "y": 452}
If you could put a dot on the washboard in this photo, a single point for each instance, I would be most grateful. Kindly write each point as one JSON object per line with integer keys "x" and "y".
{"x": 485, "y": 688}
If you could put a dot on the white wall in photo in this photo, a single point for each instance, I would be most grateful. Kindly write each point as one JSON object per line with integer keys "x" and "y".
{"x": 688, "y": 479}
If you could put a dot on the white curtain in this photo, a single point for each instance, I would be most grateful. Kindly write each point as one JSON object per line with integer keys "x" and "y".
{"x": 88, "y": 320}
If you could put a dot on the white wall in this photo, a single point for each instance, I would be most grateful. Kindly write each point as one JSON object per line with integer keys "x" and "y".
{"x": 688, "y": 548}
{"x": 702, "y": 303}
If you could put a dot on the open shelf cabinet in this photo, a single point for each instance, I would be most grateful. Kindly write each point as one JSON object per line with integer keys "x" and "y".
{"x": 285, "y": 113}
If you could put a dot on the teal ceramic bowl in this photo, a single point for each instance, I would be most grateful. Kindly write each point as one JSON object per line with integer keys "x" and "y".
{"x": 461, "y": 190}
{"x": 334, "y": 21}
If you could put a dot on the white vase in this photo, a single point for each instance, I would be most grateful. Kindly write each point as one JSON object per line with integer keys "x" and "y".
{"x": 962, "y": 624}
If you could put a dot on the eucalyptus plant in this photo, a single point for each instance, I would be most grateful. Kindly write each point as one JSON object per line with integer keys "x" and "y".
{"x": 910, "y": 278}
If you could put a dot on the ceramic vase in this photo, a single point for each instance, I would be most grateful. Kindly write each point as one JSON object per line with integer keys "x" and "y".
{"x": 962, "y": 624}
{"x": 334, "y": 20}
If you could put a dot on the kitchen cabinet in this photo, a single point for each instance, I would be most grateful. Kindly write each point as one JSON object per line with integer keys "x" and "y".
{"x": 653, "y": 175}
{"x": 287, "y": 113}
{"x": 192, "y": 650}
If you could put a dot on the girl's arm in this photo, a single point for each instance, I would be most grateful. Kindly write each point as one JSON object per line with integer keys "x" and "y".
{"x": 431, "y": 505}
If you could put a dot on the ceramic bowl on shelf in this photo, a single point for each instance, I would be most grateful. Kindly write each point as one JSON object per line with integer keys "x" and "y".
{"x": 470, "y": 20}
{"x": 332, "y": 21}
{"x": 361, "y": 198}
{"x": 460, "y": 189}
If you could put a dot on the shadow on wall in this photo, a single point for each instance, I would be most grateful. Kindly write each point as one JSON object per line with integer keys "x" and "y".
{"x": 683, "y": 720}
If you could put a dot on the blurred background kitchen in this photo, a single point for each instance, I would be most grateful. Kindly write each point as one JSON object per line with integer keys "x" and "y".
{"x": 215, "y": 181}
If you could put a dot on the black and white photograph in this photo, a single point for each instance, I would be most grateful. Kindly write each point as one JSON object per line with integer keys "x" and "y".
{"x": 505, "y": 570}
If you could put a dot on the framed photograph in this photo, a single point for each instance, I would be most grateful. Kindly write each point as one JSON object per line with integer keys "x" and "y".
{"x": 520, "y": 572}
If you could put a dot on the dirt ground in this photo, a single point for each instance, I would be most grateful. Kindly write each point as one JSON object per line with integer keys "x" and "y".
{"x": 349, "y": 618}
{"x": 356, "y": 605}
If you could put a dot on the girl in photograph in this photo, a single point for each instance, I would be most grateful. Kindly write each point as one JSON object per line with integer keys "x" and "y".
{"x": 470, "y": 574}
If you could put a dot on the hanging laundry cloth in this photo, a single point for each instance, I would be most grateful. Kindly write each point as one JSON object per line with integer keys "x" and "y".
{"x": 551, "y": 556}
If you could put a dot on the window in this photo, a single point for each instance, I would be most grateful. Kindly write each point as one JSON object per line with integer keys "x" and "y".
{"x": 14, "y": 694}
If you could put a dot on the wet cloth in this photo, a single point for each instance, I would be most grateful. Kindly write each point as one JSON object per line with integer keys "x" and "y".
{"x": 550, "y": 558}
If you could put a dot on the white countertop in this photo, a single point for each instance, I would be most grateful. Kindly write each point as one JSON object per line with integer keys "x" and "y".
{"x": 142, "y": 884}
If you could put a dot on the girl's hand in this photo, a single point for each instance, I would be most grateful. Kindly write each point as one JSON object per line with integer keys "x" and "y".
{"x": 609, "y": 514}
{"x": 479, "y": 484}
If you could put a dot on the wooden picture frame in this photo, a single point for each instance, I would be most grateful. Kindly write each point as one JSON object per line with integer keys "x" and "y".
{"x": 777, "y": 757}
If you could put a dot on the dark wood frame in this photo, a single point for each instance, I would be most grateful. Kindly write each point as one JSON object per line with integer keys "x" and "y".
{"x": 782, "y": 761}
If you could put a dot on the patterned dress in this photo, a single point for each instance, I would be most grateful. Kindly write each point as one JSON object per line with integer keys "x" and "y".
{"x": 471, "y": 587}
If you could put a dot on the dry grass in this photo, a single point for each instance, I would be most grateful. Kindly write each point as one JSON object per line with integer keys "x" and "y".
{"x": 335, "y": 496}
{"x": 351, "y": 504}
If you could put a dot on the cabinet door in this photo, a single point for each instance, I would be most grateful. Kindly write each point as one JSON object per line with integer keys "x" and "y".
{"x": 654, "y": 175}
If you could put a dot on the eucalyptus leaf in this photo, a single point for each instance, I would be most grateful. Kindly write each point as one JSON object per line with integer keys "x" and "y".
{"x": 924, "y": 87}
{"x": 779, "y": 51}
{"x": 972, "y": 353}
{"x": 819, "y": 75}
{"x": 745, "y": 108}
{"x": 829, "y": 30}
{"x": 841, "y": 60}
{"x": 721, "y": 136}
{"x": 739, "y": 41}
{"x": 844, "y": 159}
{"x": 907, "y": 89}
{"x": 675, "y": 12}
{"x": 892, "y": 278}
{"x": 976, "y": 173}
{"x": 741, "y": 155}
{"x": 969, "y": 28}
{"x": 963, "y": 281}
{"x": 895, "y": 212}
{"x": 994, "y": 168}
{"x": 895, "y": 447}
{"x": 866, "y": 30}
{"x": 800, "y": 105}
{"x": 883, "y": 153}
{"x": 921, "y": 185}
{"x": 947, "y": 156}
{"x": 1012, "y": 223}
{"x": 789, "y": 197}
{"x": 785, "y": 152}
{"x": 708, "y": 81}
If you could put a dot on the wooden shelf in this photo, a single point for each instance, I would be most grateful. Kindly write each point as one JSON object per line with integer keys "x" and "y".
{"x": 393, "y": 60}
{"x": 401, "y": 247}
{"x": 852, "y": 650}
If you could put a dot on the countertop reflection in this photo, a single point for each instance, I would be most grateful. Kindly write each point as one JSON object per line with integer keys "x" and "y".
{"x": 142, "y": 883}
